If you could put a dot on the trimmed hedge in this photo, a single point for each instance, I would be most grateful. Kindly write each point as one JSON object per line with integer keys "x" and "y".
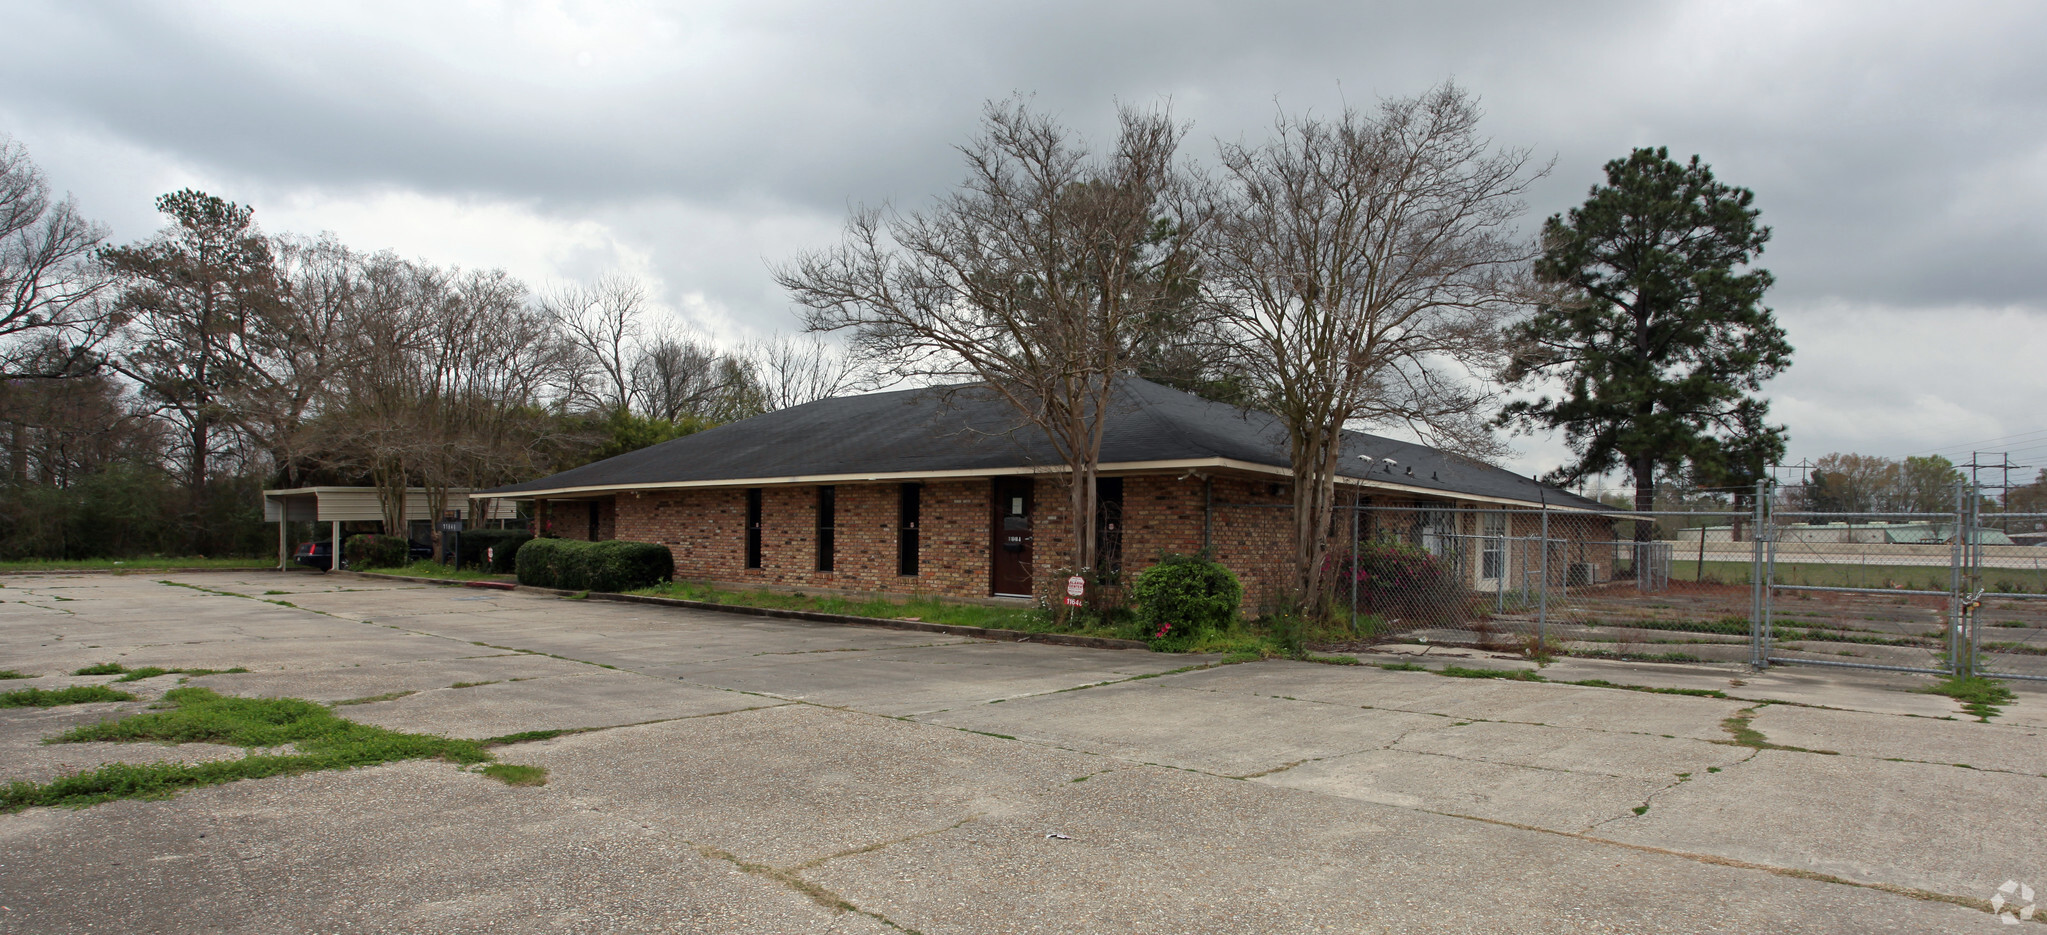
{"x": 504, "y": 543}
{"x": 372, "y": 551}
{"x": 610, "y": 566}
{"x": 1187, "y": 594}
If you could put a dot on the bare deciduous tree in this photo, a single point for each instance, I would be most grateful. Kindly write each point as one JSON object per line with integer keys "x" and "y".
{"x": 790, "y": 370}
{"x": 675, "y": 375}
{"x": 1033, "y": 278}
{"x": 1368, "y": 265}
{"x": 52, "y": 319}
{"x": 603, "y": 322}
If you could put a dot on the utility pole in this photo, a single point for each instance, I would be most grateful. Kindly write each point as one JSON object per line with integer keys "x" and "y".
{"x": 2003, "y": 465}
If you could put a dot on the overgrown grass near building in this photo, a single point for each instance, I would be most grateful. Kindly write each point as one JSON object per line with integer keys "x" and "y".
{"x": 1265, "y": 637}
{"x": 426, "y": 568}
{"x": 927, "y": 610}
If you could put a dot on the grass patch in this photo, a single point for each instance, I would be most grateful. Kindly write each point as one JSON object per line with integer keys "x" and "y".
{"x": 512, "y": 774}
{"x": 104, "y": 668}
{"x": 474, "y": 684}
{"x": 1634, "y": 657}
{"x": 1741, "y": 734}
{"x": 198, "y": 715}
{"x": 1640, "y": 810}
{"x": 76, "y": 694}
{"x": 1930, "y": 577}
{"x": 1728, "y": 626}
{"x": 144, "y": 563}
{"x": 11, "y": 674}
{"x": 926, "y": 610}
{"x": 1242, "y": 641}
{"x": 426, "y": 568}
{"x": 1401, "y": 667}
{"x": 1512, "y": 675}
{"x": 1694, "y": 692}
{"x": 1982, "y": 697}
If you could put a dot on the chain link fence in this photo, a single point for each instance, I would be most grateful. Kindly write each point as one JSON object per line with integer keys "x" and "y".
{"x": 1922, "y": 592}
{"x": 1544, "y": 580}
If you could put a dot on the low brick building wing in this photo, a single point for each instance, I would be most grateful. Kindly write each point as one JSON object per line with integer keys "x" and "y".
{"x": 946, "y": 491}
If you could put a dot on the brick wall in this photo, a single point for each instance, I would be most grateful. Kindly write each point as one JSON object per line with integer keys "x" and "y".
{"x": 1164, "y": 514}
{"x": 706, "y": 531}
{"x": 1249, "y": 530}
{"x": 570, "y": 519}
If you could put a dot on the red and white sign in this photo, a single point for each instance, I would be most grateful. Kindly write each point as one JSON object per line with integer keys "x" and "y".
{"x": 1075, "y": 587}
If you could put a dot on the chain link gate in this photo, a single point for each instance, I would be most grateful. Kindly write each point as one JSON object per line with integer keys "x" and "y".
{"x": 2004, "y": 598}
{"x": 1939, "y": 593}
{"x": 1936, "y": 593}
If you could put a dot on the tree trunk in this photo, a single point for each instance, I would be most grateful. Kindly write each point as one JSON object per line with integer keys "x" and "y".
{"x": 17, "y": 451}
{"x": 198, "y": 489}
{"x": 1313, "y": 495}
{"x": 1645, "y": 504}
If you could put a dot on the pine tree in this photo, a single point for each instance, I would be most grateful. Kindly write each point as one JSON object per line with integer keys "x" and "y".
{"x": 1657, "y": 330}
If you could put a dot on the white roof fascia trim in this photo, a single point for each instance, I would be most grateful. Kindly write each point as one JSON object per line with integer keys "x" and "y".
{"x": 878, "y": 477}
{"x": 1117, "y": 466}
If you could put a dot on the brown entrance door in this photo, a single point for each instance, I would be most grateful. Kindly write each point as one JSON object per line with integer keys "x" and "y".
{"x": 1012, "y": 536}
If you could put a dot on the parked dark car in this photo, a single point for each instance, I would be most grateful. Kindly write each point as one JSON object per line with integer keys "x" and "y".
{"x": 314, "y": 555}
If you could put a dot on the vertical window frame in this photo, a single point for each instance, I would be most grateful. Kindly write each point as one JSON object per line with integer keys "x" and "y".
{"x": 909, "y": 529}
{"x": 827, "y": 527}
{"x": 753, "y": 527}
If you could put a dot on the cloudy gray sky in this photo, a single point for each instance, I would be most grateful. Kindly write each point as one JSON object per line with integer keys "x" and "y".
{"x": 1898, "y": 150}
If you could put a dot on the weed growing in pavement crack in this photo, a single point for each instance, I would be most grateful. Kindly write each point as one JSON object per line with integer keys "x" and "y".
{"x": 1981, "y": 697}
{"x": 1741, "y": 734}
{"x": 513, "y": 774}
{"x": 372, "y": 699}
{"x": 320, "y": 740}
{"x": 150, "y": 672}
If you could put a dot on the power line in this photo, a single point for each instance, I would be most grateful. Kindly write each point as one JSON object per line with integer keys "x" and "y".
{"x": 2026, "y": 436}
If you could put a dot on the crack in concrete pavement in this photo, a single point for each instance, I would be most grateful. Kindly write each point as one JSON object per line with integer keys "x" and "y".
{"x": 811, "y": 891}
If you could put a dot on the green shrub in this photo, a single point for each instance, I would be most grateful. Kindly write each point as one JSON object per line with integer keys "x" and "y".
{"x": 539, "y": 562}
{"x": 617, "y": 565}
{"x": 609, "y": 566}
{"x": 1187, "y": 594}
{"x": 369, "y": 551}
{"x": 504, "y": 544}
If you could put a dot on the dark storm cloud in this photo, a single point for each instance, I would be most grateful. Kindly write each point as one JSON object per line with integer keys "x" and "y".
{"x": 1898, "y": 151}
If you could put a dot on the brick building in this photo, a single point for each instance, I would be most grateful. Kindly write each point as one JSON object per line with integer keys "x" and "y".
{"x": 945, "y": 492}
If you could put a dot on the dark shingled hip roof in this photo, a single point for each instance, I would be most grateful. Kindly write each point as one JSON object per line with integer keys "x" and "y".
{"x": 908, "y": 433}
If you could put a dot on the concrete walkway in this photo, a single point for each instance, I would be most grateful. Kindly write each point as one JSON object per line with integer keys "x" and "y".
{"x": 753, "y": 775}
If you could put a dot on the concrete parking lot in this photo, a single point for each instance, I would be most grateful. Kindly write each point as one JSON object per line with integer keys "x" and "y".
{"x": 751, "y": 775}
